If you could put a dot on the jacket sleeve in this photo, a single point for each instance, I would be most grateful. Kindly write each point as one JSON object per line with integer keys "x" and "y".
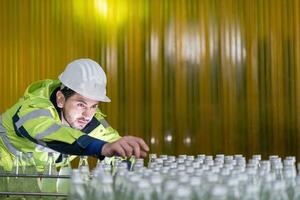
{"x": 92, "y": 148}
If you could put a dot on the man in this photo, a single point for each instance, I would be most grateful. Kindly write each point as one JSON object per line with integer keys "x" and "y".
{"x": 63, "y": 115}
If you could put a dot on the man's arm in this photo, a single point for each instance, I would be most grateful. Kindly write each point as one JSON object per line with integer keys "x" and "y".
{"x": 124, "y": 147}
{"x": 85, "y": 145}
{"x": 40, "y": 127}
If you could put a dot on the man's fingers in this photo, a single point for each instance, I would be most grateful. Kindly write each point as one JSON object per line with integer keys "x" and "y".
{"x": 127, "y": 148}
{"x": 104, "y": 150}
{"x": 136, "y": 147}
{"x": 143, "y": 144}
{"x": 118, "y": 149}
{"x": 143, "y": 154}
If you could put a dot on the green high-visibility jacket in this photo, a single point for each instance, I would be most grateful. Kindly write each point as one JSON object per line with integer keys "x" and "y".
{"x": 33, "y": 124}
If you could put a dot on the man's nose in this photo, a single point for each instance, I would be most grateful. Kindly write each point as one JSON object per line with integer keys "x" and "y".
{"x": 87, "y": 112}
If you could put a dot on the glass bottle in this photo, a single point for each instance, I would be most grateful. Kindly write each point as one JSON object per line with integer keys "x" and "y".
{"x": 63, "y": 184}
{"x": 195, "y": 185}
{"x": 290, "y": 181}
{"x": 83, "y": 162}
{"x": 77, "y": 189}
{"x": 120, "y": 183}
{"x": 3, "y": 178}
{"x": 130, "y": 187}
{"x": 139, "y": 163}
{"x": 218, "y": 192}
{"x": 152, "y": 158}
{"x": 168, "y": 189}
{"x": 182, "y": 192}
{"x": 14, "y": 183}
{"x": 279, "y": 192}
{"x": 156, "y": 182}
{"x": 104, "y": 188}
{"x": 30, "y": 183}
{"x": 144, "y": 191}
{"x": 251, "y": 192}
{"x": 234, "y": 192}
{"x": 266, "y": 187}
{"x": 85, "y": 177}
{"x": 49, "y": 184}
{"x": 296, "y": 190}
{"x": 116, "y": 163}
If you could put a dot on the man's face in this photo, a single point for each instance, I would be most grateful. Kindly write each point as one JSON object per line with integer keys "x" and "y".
{"x": 77, "y": 111}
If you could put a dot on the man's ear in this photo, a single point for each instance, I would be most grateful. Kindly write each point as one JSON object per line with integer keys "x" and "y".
{"x": 60, "y": 99}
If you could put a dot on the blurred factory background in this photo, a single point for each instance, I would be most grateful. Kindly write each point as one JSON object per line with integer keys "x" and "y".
{"x": 189, "y": 76}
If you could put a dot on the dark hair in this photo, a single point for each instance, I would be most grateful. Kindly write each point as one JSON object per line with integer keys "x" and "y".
{"x": 67, "y": 92}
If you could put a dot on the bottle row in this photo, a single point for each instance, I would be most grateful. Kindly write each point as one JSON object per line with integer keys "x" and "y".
{"x": 164, "y": 177}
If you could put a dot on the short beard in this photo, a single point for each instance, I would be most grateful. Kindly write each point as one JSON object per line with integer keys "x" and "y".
{"x": 76, "y": 128}
{"x": 70, "y": 124}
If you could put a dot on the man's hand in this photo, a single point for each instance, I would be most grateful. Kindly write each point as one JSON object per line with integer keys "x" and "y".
{"x": 126, "y": 147}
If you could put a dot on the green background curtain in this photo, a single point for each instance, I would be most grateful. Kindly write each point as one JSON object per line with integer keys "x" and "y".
{"x": 189, "y": 76}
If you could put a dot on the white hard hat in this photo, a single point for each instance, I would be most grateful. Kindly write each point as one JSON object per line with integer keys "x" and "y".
{"x": 87, "y": 78}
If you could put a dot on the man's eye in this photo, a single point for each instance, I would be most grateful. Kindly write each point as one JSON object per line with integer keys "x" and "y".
{"x": 95, "y": 106}
{"x": 81, "y": 105}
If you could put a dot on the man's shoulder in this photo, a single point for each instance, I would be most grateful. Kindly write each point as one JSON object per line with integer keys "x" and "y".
{"x": 36, "y": 96}
{"x": 42, "y": 87}
{"x": 38, "y": 93}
